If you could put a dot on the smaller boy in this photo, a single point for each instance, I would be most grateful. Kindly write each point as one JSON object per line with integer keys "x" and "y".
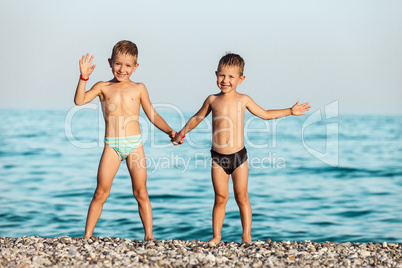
{"x": 121, "y": 100}
{"x": 228, "y": 152}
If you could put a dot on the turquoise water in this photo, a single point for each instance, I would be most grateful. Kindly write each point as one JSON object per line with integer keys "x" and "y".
{"x": 336, "y": 179}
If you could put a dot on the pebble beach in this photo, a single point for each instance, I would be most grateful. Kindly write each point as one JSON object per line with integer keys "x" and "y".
{"x": 67, "y": 251}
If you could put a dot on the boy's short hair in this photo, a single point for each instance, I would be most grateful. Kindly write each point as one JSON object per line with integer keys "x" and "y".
{"x": 125, "y": 47}
{"x": 232, "y": 60}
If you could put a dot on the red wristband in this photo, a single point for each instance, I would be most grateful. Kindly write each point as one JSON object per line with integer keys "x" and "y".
{"x": 82, "y": 78}
{"x": 182, "y": 136}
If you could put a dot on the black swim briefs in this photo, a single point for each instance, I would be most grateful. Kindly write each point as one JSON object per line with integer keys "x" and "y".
{"x": 229, "y": 162}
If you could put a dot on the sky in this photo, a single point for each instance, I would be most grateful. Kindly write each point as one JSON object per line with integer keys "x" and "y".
{"x": 347, "y": 51}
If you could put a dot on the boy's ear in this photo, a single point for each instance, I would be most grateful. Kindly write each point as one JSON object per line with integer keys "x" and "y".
{"x": 242, "y": 79}
{"x": 136, "y": 66}
{"x": 110, "y": 62}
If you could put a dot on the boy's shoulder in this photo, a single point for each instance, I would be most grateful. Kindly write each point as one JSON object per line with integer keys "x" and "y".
{"x": 137, "y": 85}
{"x": 244, "y": 96}
{"x": 102, "y": 83}
{"x": 211, "y": 98}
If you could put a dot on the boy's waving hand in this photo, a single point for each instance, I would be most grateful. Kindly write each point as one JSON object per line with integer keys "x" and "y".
{"x": 299, "y": 109}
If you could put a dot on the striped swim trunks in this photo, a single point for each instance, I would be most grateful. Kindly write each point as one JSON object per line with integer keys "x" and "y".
{"x": 124, "y": 145}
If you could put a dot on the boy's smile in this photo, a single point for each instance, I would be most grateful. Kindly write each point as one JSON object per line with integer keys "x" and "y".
{"x": 123, "y": 66}
{"x": 228, "y": 78}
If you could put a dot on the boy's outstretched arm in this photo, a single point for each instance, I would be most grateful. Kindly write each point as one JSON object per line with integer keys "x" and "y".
{"x": 153, "y": 116}
{"x": 82, "y": 97}
{"x": 194, "y": 121}
{"x": 297, "y": 109}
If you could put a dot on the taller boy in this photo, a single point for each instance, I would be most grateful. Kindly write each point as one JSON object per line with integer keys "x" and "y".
{"x": 228, "y": 152}
{"x": 121, "y": 99}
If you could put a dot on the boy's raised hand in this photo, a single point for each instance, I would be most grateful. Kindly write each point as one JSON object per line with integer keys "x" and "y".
{"x": 85, "y": 66}
{"x": 299, "y": 109}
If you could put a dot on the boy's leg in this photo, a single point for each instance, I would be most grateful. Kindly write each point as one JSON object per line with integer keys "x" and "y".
{"x": 137, "y": 167}
{"x": 240, "y": 181}
{"x": 220, "y": 181}
{"x": 108, "y": 167}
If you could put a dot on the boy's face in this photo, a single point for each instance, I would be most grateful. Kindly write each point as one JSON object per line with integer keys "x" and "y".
{"x": 228, "y": 78}
{"x": 123, "y": 66}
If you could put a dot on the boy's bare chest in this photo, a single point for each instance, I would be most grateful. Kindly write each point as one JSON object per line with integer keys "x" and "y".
{"x": 121, "y": 101}
{"x": 232, "y": 108}
{"x": 121, "y": 96}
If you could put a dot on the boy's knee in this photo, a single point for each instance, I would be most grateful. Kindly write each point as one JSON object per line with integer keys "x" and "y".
{"x": 140, "y": 194}
{"x": 221, "y": 199}
{"x": 101, "y": 195}
{"x": 241, "y": 198}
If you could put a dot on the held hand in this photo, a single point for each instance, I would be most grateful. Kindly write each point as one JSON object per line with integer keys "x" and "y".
{"x": 299, "y": 109}
{"x": 85, "y": 66}
{"x": 172, "y": 134}
{"x": 177, "y": 139}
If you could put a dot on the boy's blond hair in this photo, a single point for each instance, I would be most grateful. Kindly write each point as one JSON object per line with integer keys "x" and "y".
{"x": 125, "y": 47}
{"x": 232, "y": 60}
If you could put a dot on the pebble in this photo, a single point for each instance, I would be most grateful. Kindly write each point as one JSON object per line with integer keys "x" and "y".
{"x": 151, "y": 252}
{"x": 72, "y": 250}
{"x": 211, "y": 244}
{"x": 107, "y": 252}
{"x": 365, "y": 253}
{"x": 353, "y": 256}
{"x": 210, "y": 258}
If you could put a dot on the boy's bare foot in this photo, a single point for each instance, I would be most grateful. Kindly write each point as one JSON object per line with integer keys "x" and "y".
{"x": 216, "y": 240}
{"x": 149, "y": 238}
{"x": 246, "y": 240}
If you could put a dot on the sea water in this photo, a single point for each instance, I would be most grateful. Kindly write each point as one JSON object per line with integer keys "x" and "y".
{"x": 317, "y": 177}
